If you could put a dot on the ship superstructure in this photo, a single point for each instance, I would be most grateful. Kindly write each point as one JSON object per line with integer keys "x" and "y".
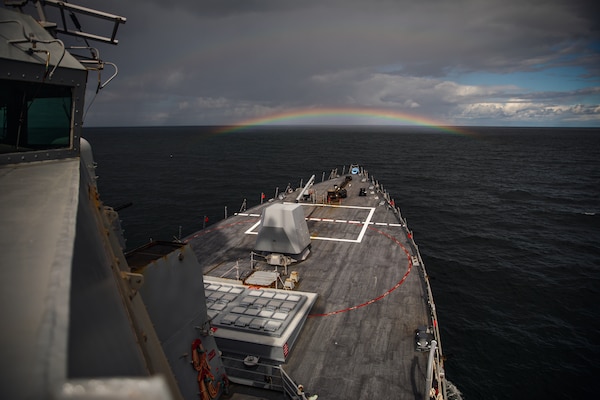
{"x": 74, "y": 322}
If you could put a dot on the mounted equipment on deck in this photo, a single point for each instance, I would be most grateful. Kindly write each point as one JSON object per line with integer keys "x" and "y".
{"x": 283, "y": 230}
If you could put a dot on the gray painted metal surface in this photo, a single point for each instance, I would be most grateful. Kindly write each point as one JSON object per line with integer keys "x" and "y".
{"x": 38, "y": 214}
{"x": 30, "y": 55}
{"x": 358, "y": 340}
{"x": 173, "y": 294}
{"x": 258, "y": 322}
{"x": 16, "y": 31}
{"x": 283, "y": 230}
{"x": 73, "y": 323}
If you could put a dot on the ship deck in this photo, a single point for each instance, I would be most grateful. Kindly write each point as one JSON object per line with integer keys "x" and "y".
{"x": 358, "y": 339}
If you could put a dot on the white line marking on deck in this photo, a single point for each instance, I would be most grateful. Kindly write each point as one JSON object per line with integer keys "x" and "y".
{"x": 365, "y": 224}
{"x": 335, "y": 239}
{"x": 251, "y": 229}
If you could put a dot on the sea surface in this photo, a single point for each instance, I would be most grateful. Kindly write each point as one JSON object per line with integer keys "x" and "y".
{"x": 507, "y": 221}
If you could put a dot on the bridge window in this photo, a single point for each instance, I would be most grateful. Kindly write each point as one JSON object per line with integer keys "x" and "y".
{"x": 34, "y": 116}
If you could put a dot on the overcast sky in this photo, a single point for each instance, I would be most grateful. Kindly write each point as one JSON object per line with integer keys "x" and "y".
{"x": 458, "y": 62}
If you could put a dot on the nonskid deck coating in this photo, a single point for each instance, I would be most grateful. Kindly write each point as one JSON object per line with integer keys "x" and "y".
{"x": 358, "y": 341}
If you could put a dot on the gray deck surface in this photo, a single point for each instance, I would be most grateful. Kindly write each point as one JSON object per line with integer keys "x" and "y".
{"x": 358, "y": 341}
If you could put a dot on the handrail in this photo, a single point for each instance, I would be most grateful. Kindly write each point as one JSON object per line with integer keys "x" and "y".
{"x": 438, "y": 365}
{"x": 30, "y": 38}
{"x": 289, "y": 386}
{"x": 439, "y": 371}
{"x": 254, "y": 375}
{"x": 284, "y": 383}
{"x": 62, "y": 6}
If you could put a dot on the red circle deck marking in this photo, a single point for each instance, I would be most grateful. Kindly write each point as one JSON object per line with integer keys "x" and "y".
{"x": 387, "y": 292}
{"x": 396, "y": 286}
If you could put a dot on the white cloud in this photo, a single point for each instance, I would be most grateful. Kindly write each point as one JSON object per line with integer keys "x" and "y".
{"x": 174, "y": 79}
{"x": 528, "y": 112}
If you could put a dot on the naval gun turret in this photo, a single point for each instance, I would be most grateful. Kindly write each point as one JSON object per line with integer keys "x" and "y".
{"x": 283, "y": 232}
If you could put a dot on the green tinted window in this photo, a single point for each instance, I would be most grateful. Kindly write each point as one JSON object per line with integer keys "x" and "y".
{"x": 34, "y": 116}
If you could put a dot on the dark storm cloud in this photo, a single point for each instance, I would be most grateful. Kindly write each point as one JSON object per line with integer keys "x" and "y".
{"x": 184, "y": 60}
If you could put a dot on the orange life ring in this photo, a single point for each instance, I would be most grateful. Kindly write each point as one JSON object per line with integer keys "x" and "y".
{"x": 206, "y": 380}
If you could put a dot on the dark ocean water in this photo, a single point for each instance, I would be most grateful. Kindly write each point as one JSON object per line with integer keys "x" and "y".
{"x": 507, "y": 220}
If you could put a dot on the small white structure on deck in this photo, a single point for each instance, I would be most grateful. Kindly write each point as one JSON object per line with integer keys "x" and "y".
{"x": 283, "y": 230}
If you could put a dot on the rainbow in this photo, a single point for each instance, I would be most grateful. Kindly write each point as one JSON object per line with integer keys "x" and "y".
{"x": 343, "y": 116}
